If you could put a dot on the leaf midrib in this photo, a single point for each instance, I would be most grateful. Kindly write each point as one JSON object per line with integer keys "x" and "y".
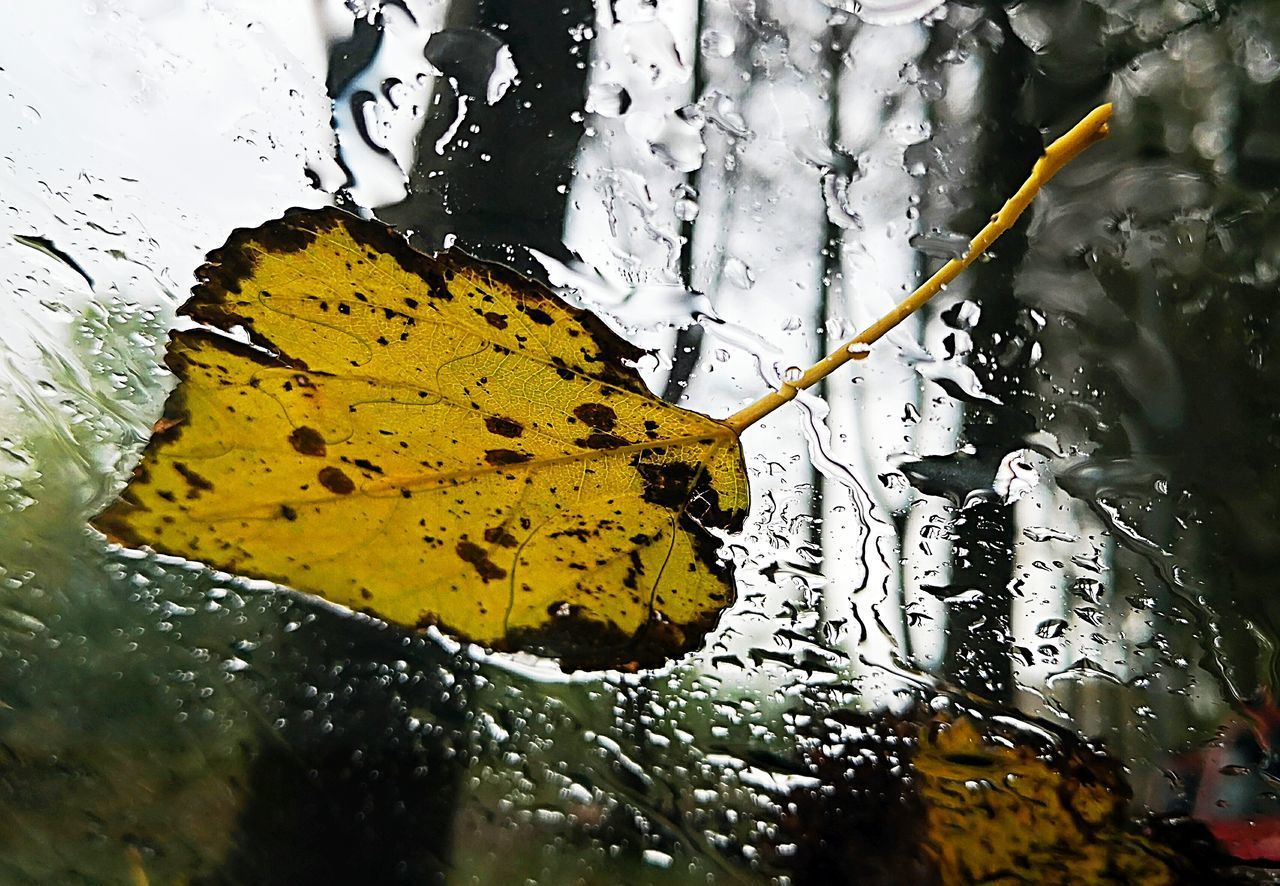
{"x": 447, "y": 480}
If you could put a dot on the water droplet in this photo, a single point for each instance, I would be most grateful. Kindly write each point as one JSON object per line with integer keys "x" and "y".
{"x": 674, "y": 138}
{"x": 608, "y": 99}
{"x": 1047, "y": 533}
{"x": 721, "y": 111}
{"x": 1016, "y": 476}
{"x": 738, "y": 273}
{"x": 716, "y": 44}
{"x": 1091, "y": 615}
{"x": 477, "y": 63}
{"x": 1051, "y": 628}
{"x": 686, "y": 202}
{"x": 835, "y": 192}
{"x": 1088, "y": 589}
{"x": 937, "y": 243}
{"x": 657, "y": 859}
{"x": 963, "y": 315}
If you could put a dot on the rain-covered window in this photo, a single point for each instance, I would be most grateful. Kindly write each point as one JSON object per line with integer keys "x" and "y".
{"x": 411, "y": 546}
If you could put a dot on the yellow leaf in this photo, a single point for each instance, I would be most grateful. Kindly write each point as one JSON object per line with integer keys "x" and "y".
{"x": 438, "y": 441}
{"x": 435, "y": 441}
{"x": 999, "y": 809}
{"x": 967, "y": 795}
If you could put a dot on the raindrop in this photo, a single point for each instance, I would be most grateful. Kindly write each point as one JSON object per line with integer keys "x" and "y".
{"x": 608, "y": 99}
{"x": 835, "y": 191}
{"x": 657, "y": 859}
{"x": 686, "y": 202}
{"x": 738, "y": 273}
{"x": 674, "y": 139}
{"x": 478, "y": 63}
{"x": 957, "y": 379}
{"x": 1017, "y": 476}
{"x": 1089, "y": 589}
{"x": 716, "y": 44}
{"x": 722, "y": 111}
{"x": 1047, "y": 533}
{"x": 937, "y": 243}
{"x": 1051, "y": 628}
{"x": 963, "y": 315}
{"x": 1091, "y": 615}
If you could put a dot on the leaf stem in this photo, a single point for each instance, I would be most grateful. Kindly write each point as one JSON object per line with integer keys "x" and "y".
{"x": 1089, "y": 130}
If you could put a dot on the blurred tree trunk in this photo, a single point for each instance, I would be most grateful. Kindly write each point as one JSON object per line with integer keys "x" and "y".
{"x": 977, "y": 656}
{"x": 498, "y": 179}
{"x": 688, "y": 346}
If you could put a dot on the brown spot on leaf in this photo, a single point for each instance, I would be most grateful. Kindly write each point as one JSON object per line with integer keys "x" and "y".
{"x": 497, "y": 535}
{"x": 307, "y": 441}
{"x": 634, "y": 571}
{"x": 687, "y": 490}
{"x": 472, "y": 553}
{"x": 505, "y": 456}
{"x": 334, "y": 480}
{"x": 668, "y": 484}
{"x": 288, "y": 513}
{"x": 601, "y": 441}
{"x": 597, "y": 416}
{"x": 503, "y": 426}
{"x": 496, "y": 320}
{"x": 539, "y": 316}
{"x": 194, "y": 480}
{"x": 437, "y": 285}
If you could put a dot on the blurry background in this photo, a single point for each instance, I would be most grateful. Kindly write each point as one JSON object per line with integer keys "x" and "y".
{"x": 1054, "y": 491}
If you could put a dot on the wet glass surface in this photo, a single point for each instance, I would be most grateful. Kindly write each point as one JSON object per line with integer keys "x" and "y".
{"x": 1016, "y": 566}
